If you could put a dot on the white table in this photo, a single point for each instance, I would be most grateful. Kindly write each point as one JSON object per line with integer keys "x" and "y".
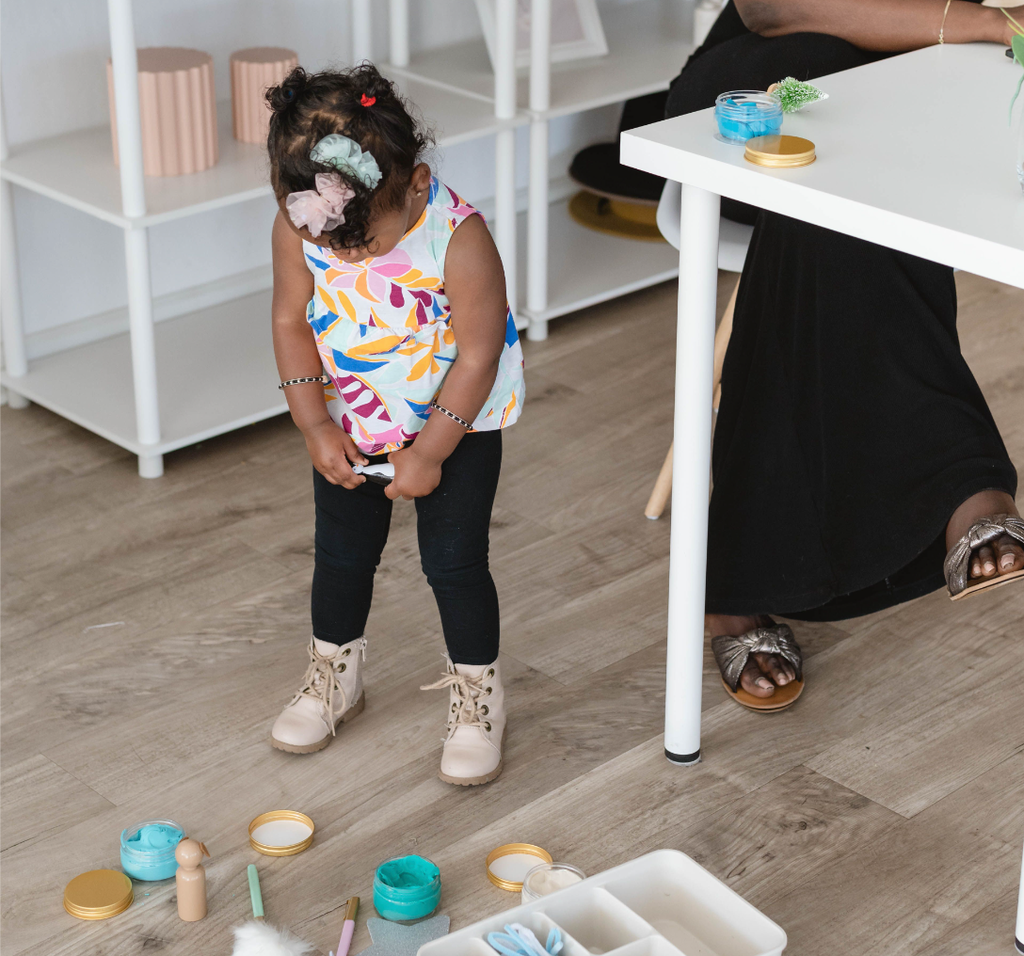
{"x": 935, "y": 179}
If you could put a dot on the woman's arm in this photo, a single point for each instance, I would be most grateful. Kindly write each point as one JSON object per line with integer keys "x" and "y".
{"x": 297, "y": 357}
{"x": 474, "y": 282}
{"x": 884, "y": 25}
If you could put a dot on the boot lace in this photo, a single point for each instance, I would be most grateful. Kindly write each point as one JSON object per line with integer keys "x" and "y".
{"x": 468, "y": 709}
{"x": 321, "y": 683}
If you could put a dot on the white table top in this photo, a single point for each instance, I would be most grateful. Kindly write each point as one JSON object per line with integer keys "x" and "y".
{"x": 914, "y": 152}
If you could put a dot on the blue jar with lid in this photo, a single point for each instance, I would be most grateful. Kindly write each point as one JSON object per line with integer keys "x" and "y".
{"x": 744, "y": 114}
{"x": 406, "y": 889}
{"x": 147, "y": 849}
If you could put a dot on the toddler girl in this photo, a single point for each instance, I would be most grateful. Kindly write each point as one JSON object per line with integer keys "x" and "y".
{"x": 395, "y": 343}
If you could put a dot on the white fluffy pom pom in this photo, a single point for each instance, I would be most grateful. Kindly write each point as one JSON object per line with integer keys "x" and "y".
{"x": 259, "y": 939}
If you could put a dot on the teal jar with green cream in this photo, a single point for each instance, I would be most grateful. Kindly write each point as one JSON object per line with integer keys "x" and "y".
{"x": 406, "y": 889}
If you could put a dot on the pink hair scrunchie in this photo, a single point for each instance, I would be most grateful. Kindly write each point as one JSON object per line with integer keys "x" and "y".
{"x": 321, "y": 209}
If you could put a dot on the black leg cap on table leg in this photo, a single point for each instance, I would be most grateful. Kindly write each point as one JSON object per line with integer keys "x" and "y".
{"x": 686, "y": 760}
{"x": 1019, "y": 945}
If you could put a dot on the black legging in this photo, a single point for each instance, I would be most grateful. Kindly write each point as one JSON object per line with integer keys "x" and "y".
{"x": 453, "y": 525}
{"x": 850, "y": 427}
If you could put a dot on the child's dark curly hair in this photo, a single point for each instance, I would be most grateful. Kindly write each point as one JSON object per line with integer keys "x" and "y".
{"x": 306, "y": 107}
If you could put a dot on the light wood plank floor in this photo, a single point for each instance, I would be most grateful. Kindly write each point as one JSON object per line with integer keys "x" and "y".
{"x": 153, "y": 629}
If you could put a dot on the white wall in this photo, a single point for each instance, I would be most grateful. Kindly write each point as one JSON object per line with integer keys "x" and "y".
{"x": 53, "y": 55}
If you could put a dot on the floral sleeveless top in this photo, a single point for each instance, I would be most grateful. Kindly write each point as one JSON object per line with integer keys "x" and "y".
{"x": 383, "y": 328}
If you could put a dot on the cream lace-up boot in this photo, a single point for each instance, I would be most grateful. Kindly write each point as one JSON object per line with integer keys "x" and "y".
{"x": 476, "y": 723}
{"x": 331, "y": 693}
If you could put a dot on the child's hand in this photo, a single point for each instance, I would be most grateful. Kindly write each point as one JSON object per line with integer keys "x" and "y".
{"x": 415, "y": 476}
{"x": 332, "y": 451}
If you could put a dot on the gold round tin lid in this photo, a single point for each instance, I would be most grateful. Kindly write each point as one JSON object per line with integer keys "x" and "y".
{"x": 281, "y": 833}
{"x": 508, "y": 865}
{"x": 98, "y": 894}
{"x": 779, "y": 151}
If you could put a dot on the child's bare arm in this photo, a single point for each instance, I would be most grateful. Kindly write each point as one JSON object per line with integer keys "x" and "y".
{"x": 475, "y": 286}
{"x": 297, "y": 357}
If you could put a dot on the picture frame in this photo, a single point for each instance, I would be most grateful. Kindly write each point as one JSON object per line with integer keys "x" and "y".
{"x": 576, "y": 30}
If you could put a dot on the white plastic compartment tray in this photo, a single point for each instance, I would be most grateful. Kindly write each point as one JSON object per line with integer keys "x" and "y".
{"x": 662, "y": 904}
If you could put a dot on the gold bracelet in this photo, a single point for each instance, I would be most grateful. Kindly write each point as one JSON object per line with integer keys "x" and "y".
{"x": 942, "y": 29}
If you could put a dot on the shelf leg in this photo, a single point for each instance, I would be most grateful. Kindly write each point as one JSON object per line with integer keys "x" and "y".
{"x": 398, "y": 21}
{"x": 537, "y": 233}
{"x": 15, "y": 359}
{"x": 362, "y": 32}
{"x": 537, "y": 216}
{"x": 691, "y": 463}
{"x": 505, "y": 210}
{"x": 140, "y": 318}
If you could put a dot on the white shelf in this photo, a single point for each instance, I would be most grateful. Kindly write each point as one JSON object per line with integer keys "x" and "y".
{"x": 586, "y": 267}
{"x": 215, "y": 373}
{"x": 78, "y": 169}
{"x": 648, "y": 43}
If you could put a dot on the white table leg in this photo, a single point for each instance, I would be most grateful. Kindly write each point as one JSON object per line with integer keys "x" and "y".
{"x": 1019, "y": 935}
{"x": 691, "y": 464}
{"x": 140, "y": 318}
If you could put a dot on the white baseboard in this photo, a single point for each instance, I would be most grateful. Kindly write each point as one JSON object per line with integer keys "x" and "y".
{"x": 105, "y": 324}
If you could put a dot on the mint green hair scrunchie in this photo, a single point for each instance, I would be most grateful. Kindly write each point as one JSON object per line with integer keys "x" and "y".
{"x": 348, "y": 157}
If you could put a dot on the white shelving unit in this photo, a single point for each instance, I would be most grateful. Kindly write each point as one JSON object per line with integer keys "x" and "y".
{"x": 163, "y": 386}
{"x": 568, "y": 267}
{"x": 155, "y": 388}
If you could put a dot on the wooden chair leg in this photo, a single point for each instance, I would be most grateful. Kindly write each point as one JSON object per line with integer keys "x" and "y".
{"x": 663, "y": 485}
{"x": 722, "y": 335}
{"x": 662, "y": 489}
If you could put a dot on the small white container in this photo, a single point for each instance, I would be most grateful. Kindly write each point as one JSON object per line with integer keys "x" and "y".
{"x": 547, "y": 878}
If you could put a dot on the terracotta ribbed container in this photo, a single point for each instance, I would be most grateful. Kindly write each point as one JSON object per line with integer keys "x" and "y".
{"x": 252, "y": 71}
{"x": 178, "y": 110}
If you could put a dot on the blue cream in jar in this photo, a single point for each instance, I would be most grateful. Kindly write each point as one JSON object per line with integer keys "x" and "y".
{"x": 147, "y": 850}
{"x": 744, "y": 114}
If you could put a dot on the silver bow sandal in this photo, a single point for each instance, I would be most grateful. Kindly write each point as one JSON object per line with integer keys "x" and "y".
{"x": 957, "y": 566}
{"x": 732, "y": 654}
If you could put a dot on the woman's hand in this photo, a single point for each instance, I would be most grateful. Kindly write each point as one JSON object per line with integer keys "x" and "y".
{"x": 415, "y": 475}
{"x": 333, "y": 453}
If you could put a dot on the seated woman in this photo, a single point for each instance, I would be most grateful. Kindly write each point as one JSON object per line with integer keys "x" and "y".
{"x": 854, "y": 453}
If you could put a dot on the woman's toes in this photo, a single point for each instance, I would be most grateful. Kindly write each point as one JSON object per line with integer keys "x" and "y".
{"x": 983, "y": 564}
{"x": 775, "y": 667}
{"x": 1009, "y": 555}
{"x": 754, "y": 681}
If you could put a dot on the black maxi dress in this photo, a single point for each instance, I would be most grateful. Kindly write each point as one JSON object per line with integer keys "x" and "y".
{"x": 850, "y": 427}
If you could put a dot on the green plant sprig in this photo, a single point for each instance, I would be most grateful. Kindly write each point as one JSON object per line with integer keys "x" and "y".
{"x": 1017, "y": 45}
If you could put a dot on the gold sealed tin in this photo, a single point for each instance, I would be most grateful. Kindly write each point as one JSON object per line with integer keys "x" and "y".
{"x": 779, "y": 152}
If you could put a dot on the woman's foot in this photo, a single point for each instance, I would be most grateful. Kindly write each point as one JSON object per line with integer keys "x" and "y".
{"x": 1002, "y": 556}
{"x": 763, "y": 672}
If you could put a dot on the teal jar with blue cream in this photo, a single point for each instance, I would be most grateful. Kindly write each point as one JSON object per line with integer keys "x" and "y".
{"x": 406, "y": 889}
{"x": 147, "y": 850}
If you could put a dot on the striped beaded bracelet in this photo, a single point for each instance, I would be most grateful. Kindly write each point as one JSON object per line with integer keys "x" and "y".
{"x": 451, "y": 415}
{"x": 322, "y": 379}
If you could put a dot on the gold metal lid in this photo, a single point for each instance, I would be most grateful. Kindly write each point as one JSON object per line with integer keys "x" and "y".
{"x": 290, "y": 844}
{"x": 779, "y": 151}
{"x": 515, "y": 849}
{"x": 98, "y": 894}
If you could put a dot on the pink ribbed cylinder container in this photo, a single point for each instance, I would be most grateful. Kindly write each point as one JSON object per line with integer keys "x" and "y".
{"x": 252, "y": 72}
{"x": 178, "y": 110}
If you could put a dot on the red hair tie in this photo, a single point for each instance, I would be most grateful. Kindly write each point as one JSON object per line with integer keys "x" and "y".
{"x": 368, "y": 100}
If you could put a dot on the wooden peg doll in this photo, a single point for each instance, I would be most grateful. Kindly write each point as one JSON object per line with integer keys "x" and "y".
{"x": 191, "y": 879}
